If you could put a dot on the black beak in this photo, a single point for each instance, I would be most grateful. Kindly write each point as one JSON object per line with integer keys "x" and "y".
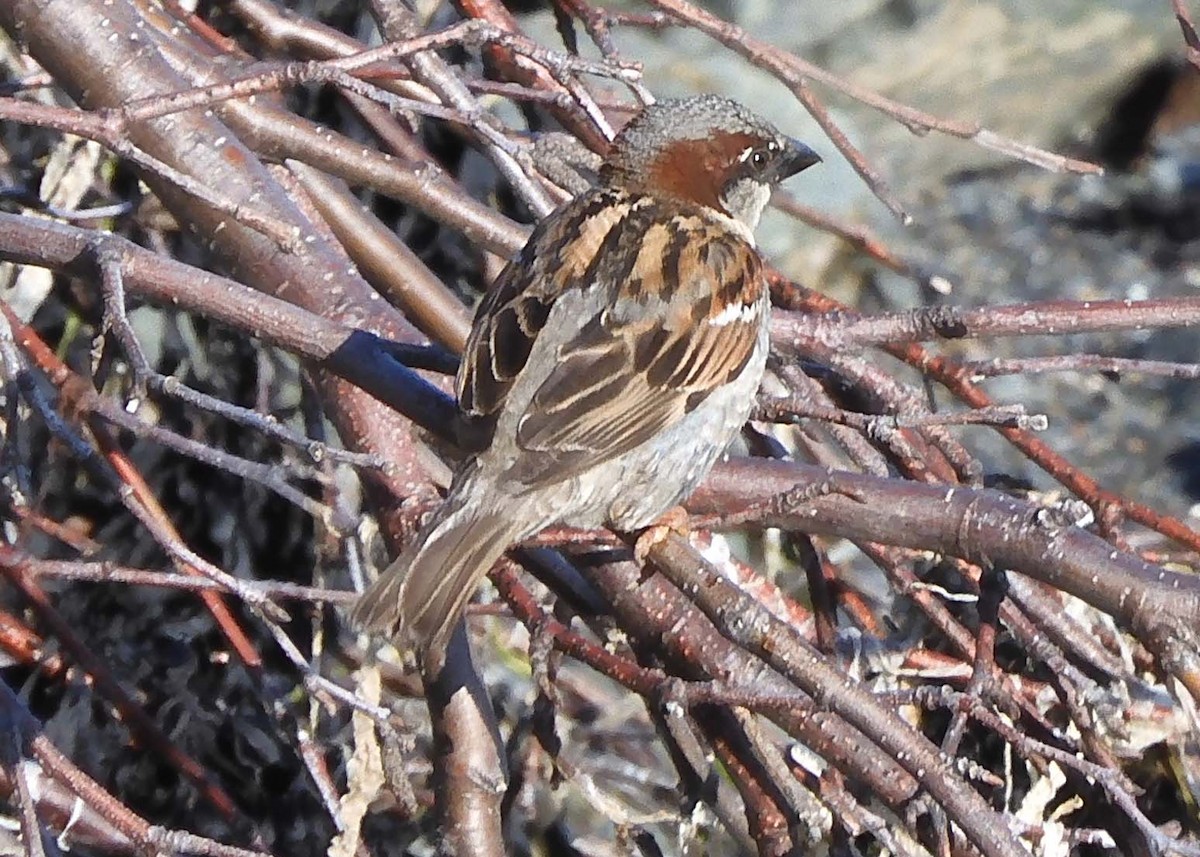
{"x": 796, "y": 158}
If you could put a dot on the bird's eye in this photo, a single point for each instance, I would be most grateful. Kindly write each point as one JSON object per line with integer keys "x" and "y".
{"x": 758, "y": 159}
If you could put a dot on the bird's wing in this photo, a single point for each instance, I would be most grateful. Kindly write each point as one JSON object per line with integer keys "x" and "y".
{"x": 681, "y": 313}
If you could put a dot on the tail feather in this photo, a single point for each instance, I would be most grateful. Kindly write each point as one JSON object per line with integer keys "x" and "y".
{"x": 421, "y": 595}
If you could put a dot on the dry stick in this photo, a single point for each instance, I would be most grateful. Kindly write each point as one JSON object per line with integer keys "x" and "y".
{"x": 270, "y": 476}
{"x": 316, "y": 72}
{"x": 15, "y": 720}
{"x": 768, "y": 814}
{"x": 422, "y": 184}
{"x": 84, "y": 399}
{"x": 899, "y": 571}
{"x": 650, "y": 682}
{"x": 981, "y": 526}
{"x": 822, "y": 583}
{"x": 831, "y": 324}
{"x": 742, "y": 620}
{"x": 907, "y": 584}
{"x": 789, "y": 409}
{"x": 79, "y": 542}
{"x": 26, "y": 647}
{"x": 806, "y": 806}
{"x": 110, "y": 132}
{"x": 575, "y": 109}
{"x": 980, "y": 369}
{"x": 469, "y": 758}
{"x": 151, "y": 511}
{"x": 649, "y": 20}
{"x": 353, "y": 60}
{"x": 930, "y": 454}
{"x": 661, "y": 617}
{"x": 388, "y": 261}
{"x": 550, "y": 74}
{"x": 463, "y": 718}
{"x": 360, "y": 357}
{"x": 700, "y": 778}
{"x": 28, "y": 241}
{"x": 305, "y": 280}
{"x": 393, "y": 137}
{"x": 33, "y": 838}
{"x": 1058, "y": 317}
{"x": 1107, "y": 504}
{"x": 1072, "y": 686}
{"x": 817, "y": 110}
{"x": 857, "y": 820}
{"x": 1189, "y": 32}
{"x": 464, "y": 723}
{"x": 398, "y": 24}
{"x": 1044, "y": 609}
{"x": 276, "y": 133}
{"x": 864, "y": 455}
{"x": 991, "y": 593}
{"x": 77, "y": 823}
{"x": 108, "y": 256}
{"x": 107, "y": 572}
{"x": 975, "y": 524}
{"x": 595, "y": 22}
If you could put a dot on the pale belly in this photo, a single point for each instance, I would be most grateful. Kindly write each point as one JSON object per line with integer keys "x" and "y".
{"x": 635, "y": 489}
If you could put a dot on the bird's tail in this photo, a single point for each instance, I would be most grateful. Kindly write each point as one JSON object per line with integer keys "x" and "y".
{"x": 421, "y": 595}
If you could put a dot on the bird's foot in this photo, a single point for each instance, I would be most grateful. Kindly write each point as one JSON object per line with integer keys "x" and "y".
{"x": 674, "y": 520}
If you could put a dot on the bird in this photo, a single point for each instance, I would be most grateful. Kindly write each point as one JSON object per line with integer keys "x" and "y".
{"x": 612, "y": 361}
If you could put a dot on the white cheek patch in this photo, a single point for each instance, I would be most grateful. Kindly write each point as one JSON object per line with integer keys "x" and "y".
{"x": 744, "y": 313}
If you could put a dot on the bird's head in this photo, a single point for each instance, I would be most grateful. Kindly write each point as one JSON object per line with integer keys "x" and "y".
{"x": 705, "y": 150}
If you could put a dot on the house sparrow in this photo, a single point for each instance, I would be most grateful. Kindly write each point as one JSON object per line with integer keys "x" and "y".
{"x": 613, "y": 360}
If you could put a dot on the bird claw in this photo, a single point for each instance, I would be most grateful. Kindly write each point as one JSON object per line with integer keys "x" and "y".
{"x": 674, "y": 520}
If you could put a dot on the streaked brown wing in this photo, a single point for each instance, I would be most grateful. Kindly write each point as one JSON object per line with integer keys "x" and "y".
{"x": 514, "y": 311}
{"x": 654, "y": 356}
